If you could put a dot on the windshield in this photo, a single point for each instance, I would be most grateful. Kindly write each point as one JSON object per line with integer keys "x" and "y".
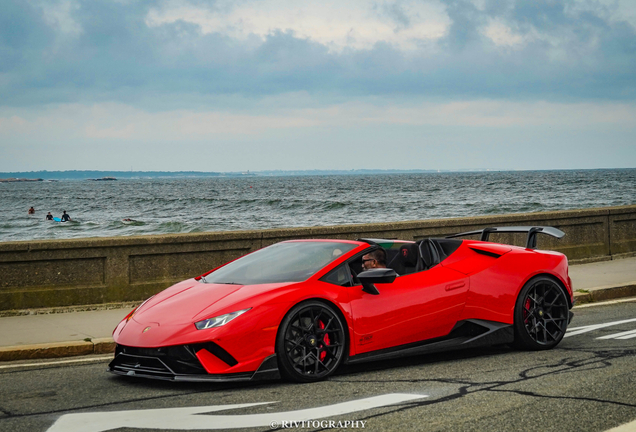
{"x": 282, "y": 262}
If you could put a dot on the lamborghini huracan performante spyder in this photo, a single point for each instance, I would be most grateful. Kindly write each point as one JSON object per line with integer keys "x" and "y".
{"x": 301, "y": 308}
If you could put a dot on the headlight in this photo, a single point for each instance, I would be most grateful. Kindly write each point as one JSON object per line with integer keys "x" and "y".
{"x": 219, "y": 321}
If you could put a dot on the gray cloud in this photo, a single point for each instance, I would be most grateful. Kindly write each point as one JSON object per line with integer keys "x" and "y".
{"x": 579, "y": 55}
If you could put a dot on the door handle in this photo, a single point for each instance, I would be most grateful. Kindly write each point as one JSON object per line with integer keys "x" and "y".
{"x": 455, "y": 285}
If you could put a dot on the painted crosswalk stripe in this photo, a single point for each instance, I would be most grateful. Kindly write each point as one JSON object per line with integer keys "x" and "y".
{"x": 580, "y": 330}
{"x": 623, "y": 335}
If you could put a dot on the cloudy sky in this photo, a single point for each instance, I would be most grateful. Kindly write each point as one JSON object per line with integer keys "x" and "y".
{"x": 233, "y": 85}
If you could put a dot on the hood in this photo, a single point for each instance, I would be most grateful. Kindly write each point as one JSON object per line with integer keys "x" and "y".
{"x": 180, "y": 303}
{"x": 190, "y": 301}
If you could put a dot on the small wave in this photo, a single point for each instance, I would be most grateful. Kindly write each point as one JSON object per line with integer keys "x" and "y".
{"x": 173, "y": 227}
{"x": 90, "y": 223}
{"x": 134, "y": 223}
{"x": 336, "y": 205}
{"x": 532, "y": 207}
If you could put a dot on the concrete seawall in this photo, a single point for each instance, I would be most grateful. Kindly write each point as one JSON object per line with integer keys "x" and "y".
{"x": 51, "y": 273}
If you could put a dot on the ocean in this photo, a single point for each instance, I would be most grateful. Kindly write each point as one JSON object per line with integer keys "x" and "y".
{"x": 185, "y": 205}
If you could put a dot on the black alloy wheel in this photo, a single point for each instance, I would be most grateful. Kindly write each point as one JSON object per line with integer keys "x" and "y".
{"x": 311, "y": 342}
{"x": 541, "y": 314}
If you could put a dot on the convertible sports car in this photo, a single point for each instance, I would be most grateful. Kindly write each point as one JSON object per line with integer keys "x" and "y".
{"x": 301, "y": 308}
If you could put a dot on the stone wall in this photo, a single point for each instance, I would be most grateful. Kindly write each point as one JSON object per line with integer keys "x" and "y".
{"x": 53, "y": 273}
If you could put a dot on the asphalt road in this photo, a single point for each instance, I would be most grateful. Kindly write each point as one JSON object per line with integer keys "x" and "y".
{"x": 588, "y": 383}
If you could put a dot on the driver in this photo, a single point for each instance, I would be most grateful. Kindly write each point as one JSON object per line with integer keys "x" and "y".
{"x": 374, "y": 259}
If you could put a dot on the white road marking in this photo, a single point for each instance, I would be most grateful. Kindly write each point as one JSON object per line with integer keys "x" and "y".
{"x": 624, "y": 335}
{"x": 188, "y": 419}
{"x": 627, "y": 427}
{"x": 605, "y": 303}
{"x": 574, "y": 331}
{"x": 79, "y": 360}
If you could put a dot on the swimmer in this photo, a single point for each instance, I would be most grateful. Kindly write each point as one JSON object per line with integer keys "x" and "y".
{"x": 65, "y": 217}
{"x": 49, "y": 216}
{"x": 31, "y": 210}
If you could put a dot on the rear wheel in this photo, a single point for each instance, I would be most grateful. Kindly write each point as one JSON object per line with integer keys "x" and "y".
{"x": 541, "y": 314}
{"x": 311, "y": 342}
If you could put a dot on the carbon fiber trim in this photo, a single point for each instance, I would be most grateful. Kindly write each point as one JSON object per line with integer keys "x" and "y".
{"x": 159, "y": 363}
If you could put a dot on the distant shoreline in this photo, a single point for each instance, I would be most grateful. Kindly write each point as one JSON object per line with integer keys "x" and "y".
{"x": 7, "y": 177}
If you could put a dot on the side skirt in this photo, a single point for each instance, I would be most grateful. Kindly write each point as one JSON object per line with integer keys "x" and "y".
{"x": 466, "y": 334}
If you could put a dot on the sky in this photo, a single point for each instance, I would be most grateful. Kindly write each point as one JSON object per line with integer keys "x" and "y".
{"x": 236, "y": 85}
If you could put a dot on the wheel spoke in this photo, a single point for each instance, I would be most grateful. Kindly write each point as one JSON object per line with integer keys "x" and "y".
{"x": 529, "y": 311}
{"x": 312, "y": 322}
{"x": 547, "y": 332}
{"x": 295, "y": 343}
{"x": 551, "y": 304}
{"x": 297, "y": 328}
{"x": 326, "y": 329}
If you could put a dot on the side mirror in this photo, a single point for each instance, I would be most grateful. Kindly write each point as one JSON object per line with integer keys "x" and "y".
{"x": 379, "y": 275}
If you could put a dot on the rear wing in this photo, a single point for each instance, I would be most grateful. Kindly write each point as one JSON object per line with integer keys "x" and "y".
{"x": 531, "y": 242}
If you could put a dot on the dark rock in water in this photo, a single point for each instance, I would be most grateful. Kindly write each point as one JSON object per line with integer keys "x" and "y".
{"x": 103, "y": 179}
{"x": 11, "y": 180}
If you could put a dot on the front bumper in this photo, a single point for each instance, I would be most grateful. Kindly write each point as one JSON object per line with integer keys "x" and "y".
{"x": 183, "y": 363}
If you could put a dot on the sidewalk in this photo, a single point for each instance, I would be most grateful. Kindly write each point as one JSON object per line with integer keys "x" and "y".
{"x": 49, "y": 335}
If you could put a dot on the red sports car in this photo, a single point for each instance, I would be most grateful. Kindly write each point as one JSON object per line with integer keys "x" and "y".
{"x": 300, "y": 308}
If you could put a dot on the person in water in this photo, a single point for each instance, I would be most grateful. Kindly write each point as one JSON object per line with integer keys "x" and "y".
{"x": 49, "y": 216}
{"x": 31, "y": 210}
{"x": 65, "y": 217}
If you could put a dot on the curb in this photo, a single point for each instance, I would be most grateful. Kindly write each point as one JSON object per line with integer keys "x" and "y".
{"x": 57, "y": 349}
{"x": 107, "y": 345}
{"x": 605, "y": 293}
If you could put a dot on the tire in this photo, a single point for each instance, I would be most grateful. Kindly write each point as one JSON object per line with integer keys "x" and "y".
{"x": 541, "y": 314}
{"x": 311, "y": 342}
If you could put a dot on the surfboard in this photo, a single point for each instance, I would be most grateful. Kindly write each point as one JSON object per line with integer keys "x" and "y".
{"x": 57, "y": 219}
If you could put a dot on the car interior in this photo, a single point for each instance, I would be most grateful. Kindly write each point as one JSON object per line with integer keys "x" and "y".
{"x": 404, "y": 258}
{"x": 421, "y": 255}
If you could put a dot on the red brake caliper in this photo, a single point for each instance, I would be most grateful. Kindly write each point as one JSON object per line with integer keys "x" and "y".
{"x": 526, "y": 309}
{"x": 325, "y": 339}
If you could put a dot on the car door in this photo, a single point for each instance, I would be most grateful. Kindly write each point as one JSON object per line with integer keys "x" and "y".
{"x": 413, "y": 308}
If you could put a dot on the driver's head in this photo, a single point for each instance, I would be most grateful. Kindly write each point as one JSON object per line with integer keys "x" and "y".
{"x": 374, "y": 259}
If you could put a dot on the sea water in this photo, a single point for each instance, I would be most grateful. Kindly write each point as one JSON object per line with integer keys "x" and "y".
{"x": 183, "y": 205}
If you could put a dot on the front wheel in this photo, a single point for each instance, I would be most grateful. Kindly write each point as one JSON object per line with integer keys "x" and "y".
{"x": 541, "y": 314}
{"x": 311, "y": 342}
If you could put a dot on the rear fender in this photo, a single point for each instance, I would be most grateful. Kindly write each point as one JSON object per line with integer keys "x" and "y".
{"x": 494, "y": 290}
{"x": 558, "y": 279}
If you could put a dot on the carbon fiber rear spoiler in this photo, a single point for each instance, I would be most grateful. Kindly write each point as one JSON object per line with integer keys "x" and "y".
{"x": 531, "y": 242}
